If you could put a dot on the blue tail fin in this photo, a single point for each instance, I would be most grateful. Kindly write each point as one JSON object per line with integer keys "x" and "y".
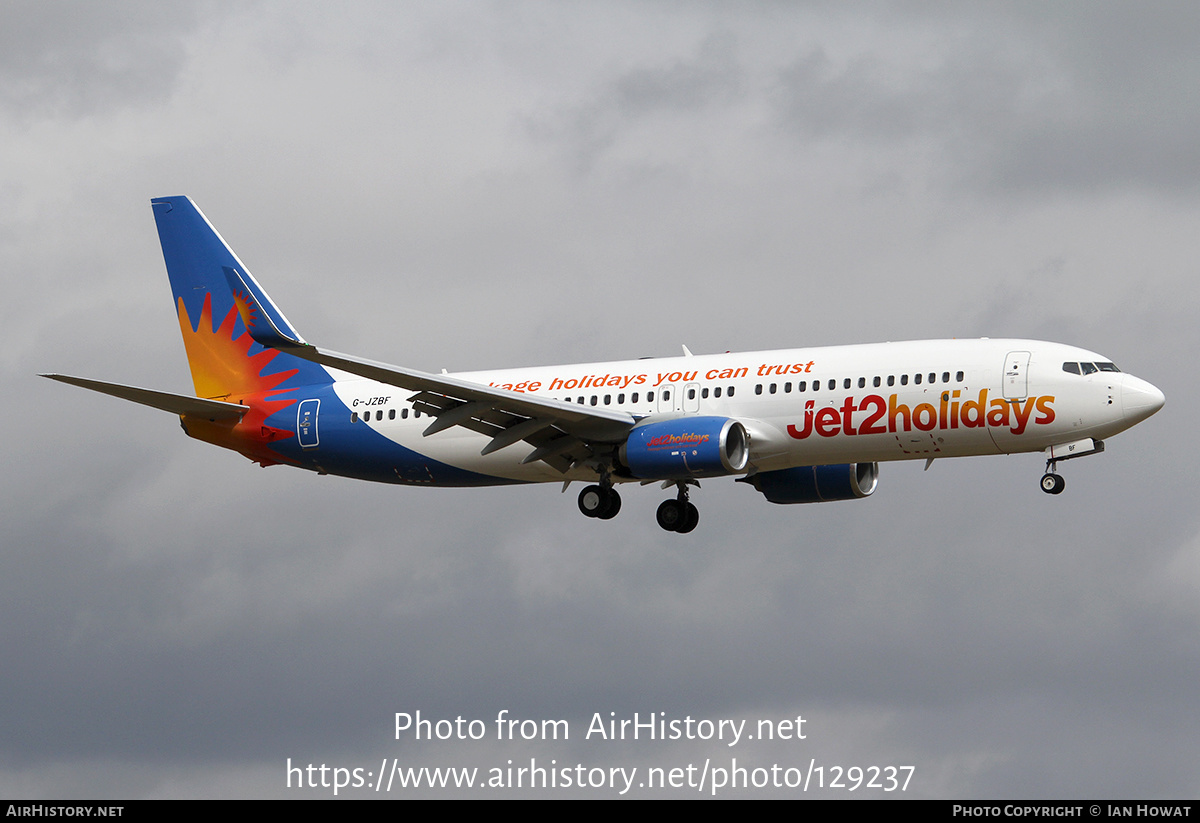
{"x": 218, "y": 300}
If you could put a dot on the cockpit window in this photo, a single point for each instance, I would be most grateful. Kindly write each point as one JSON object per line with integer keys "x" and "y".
{"x": 1089, "y": 368}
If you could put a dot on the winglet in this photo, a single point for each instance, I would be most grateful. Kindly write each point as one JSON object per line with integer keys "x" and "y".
{"x": 252, "y": 302}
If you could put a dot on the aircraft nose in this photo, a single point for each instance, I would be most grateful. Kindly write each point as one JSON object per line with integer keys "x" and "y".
{"x": 1139, "y": 399}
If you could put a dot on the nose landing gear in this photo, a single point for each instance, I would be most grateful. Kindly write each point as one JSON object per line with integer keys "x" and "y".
{"x": 1053, "y": 483}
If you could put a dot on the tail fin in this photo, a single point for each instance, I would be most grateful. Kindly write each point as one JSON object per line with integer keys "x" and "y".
{"x": 215, "y": 313}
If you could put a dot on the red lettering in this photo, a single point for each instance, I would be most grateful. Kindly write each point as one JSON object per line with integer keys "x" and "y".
{"x": 1022, "y": 414}
{"x": 828, "y": 422}
{"x": 847, "y": 415}
{"x": 1047, "y": 413}
{"x": 972, "y": 412}
{"x": 869, "y": 426}
{"x": 800, "y": 434}
{"x": 895, "y": 409}
{"x": 925, "y": 417}
{"x": 998, "y": 414}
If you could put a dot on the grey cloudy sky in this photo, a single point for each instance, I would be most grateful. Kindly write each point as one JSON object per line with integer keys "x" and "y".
{"x": 484, "y": 185}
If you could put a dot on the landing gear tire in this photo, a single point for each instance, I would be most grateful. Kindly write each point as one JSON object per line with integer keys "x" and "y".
{"x": 591, "y": 501}
{"x": 611, "y": 506}
{"x": 671, "y": 513}
{"x": 690, "y": 519}
{"x": 597, "y": 501}
{"x": 1053, "y": 483}
{"x": 677, "y": 516}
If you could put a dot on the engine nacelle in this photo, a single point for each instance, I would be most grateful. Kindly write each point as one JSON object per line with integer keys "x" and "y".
{"x": 686, "y": 447}
{"x": 817, "y": 484}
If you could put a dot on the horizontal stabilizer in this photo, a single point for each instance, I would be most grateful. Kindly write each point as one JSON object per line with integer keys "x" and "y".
{"x": 174, "y": 403}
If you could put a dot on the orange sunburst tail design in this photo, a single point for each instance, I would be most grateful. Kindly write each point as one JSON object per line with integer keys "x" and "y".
{"x": 222, "y": 364}
{"x": 218, "y": 302}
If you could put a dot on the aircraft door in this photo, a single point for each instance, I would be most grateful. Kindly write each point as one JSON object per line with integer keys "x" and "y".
{"x": 1016, "y": 375}
{"x": 669, "y": 399}
{"x": 306, "y": 423}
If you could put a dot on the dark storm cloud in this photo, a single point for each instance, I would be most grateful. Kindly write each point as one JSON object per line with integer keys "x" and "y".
{"x": 710, "y": 77}
{"x": 72, "y": 59}
{"x": 707, "y": 79}
{"x": 1020, "y": 98}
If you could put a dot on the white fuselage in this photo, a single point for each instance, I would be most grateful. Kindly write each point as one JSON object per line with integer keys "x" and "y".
{"x": 812, "y": 406}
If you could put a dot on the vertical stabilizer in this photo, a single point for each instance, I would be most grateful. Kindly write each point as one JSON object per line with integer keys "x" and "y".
{"x": 213, "y": 314}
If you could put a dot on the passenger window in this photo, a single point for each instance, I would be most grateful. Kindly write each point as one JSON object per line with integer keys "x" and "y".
{"x": 862, "y": 382}
{"x": 772, "y": 388}
{"x": 917, "y": 379}
{"x": 959, "y": 377}
{"x": 891, "y": 379}
{"x": 620, "y": 398}
{"x": 876, "y": 382}
{"x": 704, "y": 393}
{"x": 802, "y": 386}
{"x": 932, "y": 377}
{"x": 379, "y": 414}
{"x": 391, "y": 414}
{"x": 1072, "y": 368}
{"x": 730, "y": 392}
{"x": 945, "y": 377}
{"x": 593, "y": 399}
{"x": 832, "y": 385}
{"x": 404, "y": 414}
{"x": 649, "y": 397}
{"x": 633, "y": 399}
{"x": 758, "y": 388}
{"x": 353, "y": 417}
{"x": 717, "y": 391}
{"x": 787, "y": 388}
{"x": 608, "y": 399}
{"x": 904, "y": 380}
{"x": 846, "y": 382}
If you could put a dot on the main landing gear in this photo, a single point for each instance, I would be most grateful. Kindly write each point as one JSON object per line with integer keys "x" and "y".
{"x": 600, "y": 501}
{"x": 678, "y": 515}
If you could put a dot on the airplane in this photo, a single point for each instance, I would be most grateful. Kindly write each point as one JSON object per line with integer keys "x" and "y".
{"x": 799, "y": 425}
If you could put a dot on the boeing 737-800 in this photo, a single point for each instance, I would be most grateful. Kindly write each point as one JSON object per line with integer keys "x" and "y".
{"x": 799, "y": 425}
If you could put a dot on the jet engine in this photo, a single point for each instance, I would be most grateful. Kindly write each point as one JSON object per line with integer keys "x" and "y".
{"x": 817, "y": 484}
{"x": 686, "y": 447}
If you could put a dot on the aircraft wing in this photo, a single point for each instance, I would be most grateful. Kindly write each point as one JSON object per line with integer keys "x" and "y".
{"x": 174, "y": 403}
{"x": 560, "y": 432}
